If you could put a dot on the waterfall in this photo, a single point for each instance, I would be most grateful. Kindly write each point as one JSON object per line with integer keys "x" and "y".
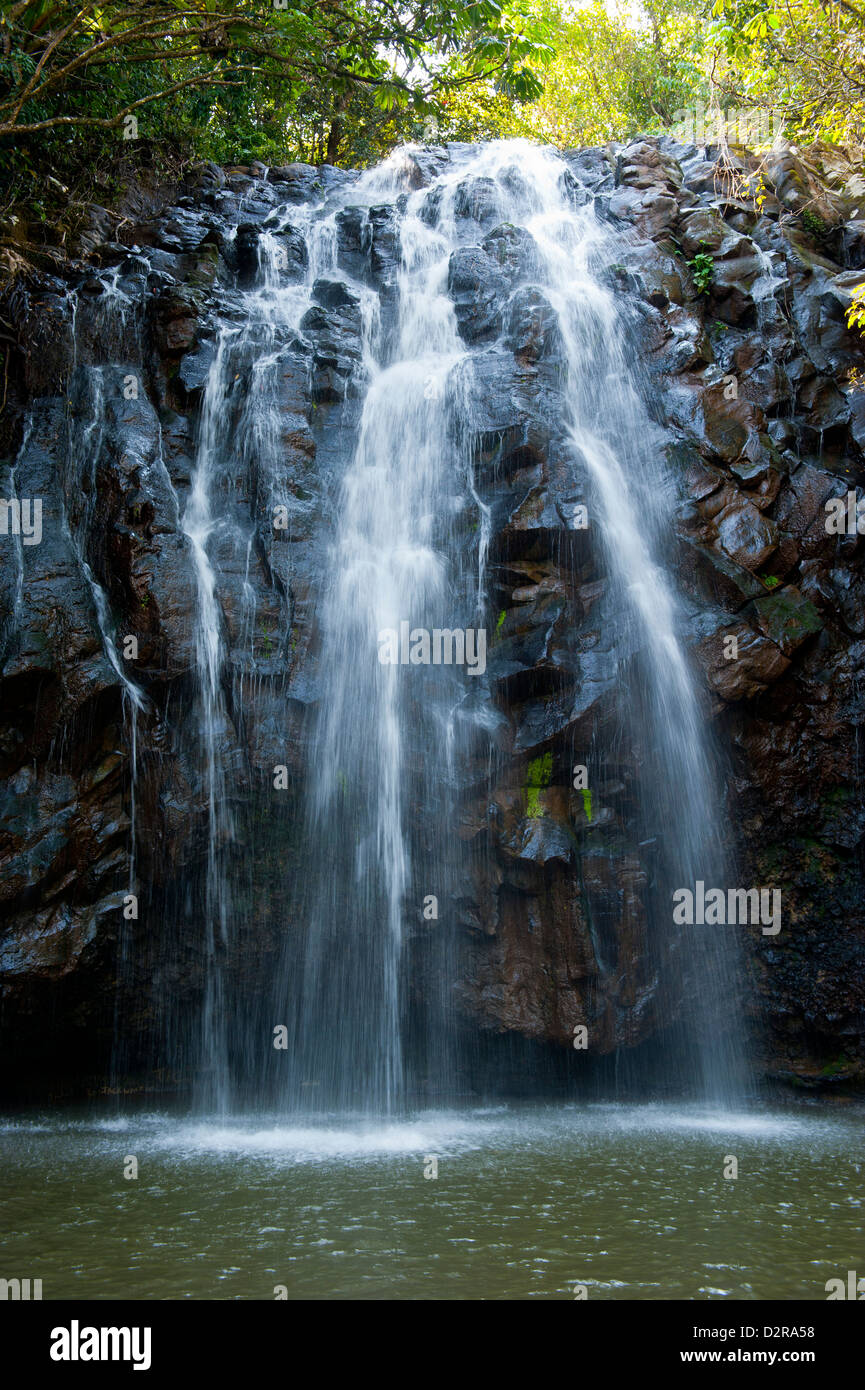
{"x": 252, "y": 325}
{"x": 84, "y": 449}
{"x": 379, "y": 766}
{"x": 616, "y": 443}
{"x": 406, "y": 726}
{"x": 12, "y": 617}
{"x": 395, "y": 690}
{"x": 198, "y": 524}
{"x": 390, "y": 564}
{"x": 85, "y": 443}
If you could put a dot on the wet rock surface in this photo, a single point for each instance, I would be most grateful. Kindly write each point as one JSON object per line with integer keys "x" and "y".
{"x": 755, "y": 388}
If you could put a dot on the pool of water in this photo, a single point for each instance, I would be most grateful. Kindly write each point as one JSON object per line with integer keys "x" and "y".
{"x": 630, "y": 1202}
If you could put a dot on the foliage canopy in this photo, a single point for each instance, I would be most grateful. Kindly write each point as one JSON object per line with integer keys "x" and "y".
{"x": 346, "y": 80}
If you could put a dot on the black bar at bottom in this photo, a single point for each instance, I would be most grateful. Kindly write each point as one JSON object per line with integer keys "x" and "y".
{"x": 263, "y": 1339}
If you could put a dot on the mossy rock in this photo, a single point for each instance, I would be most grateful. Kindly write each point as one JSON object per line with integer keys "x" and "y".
{"x": 787, "y": 618}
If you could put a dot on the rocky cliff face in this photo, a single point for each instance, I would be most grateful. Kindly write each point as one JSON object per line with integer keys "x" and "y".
{"x": 754, "y": 386}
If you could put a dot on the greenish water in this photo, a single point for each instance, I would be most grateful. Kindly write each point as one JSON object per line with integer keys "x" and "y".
{"x": 630, "y": 1202}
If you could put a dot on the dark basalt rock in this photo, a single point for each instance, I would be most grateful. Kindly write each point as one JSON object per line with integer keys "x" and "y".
{"x": 531, "y": 328}
{"x": 299, "y": 183}
{"x": 335, "y": 334}
{"x": 479, "y": 200}
{"x": 295, "y": 250}
{"x": 478, "y": 288}
{"x": 246, "y": 252}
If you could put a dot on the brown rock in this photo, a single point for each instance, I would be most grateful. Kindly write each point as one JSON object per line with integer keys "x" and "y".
{"x": 756, "y": 664}
{"x": 746, "y": 535}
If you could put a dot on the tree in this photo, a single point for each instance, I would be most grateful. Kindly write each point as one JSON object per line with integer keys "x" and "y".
{"x": 94, "y": 66}
{"x": 803, "y": 59}
{"x": 615, "y": 73}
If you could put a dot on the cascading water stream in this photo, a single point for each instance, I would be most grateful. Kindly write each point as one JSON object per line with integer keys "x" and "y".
{"x": 389, "y": 568}
{"x": 85, "y": 444}
{"x": 410, "y": 551}
{"x": 13, "y": 616}
{"x": 396, "y": 560}
{"x": 84, "y": 449}
{"x": 612, "y": 436}
{"x": 251, "y": 330}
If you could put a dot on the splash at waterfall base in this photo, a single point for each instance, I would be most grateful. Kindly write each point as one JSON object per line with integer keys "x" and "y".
{"x": 528, "y": 1202}
{"x": 573, "y": 365}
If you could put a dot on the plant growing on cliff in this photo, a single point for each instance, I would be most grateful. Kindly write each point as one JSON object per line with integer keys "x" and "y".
{"x": 856, "y": 309}
{"x": 539, "y": 775}
{"x": 703, "y": 270}
{"x": 815, "y": 226}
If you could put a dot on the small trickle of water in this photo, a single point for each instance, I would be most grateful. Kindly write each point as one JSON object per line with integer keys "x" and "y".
{"x": 240, "y": 419}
